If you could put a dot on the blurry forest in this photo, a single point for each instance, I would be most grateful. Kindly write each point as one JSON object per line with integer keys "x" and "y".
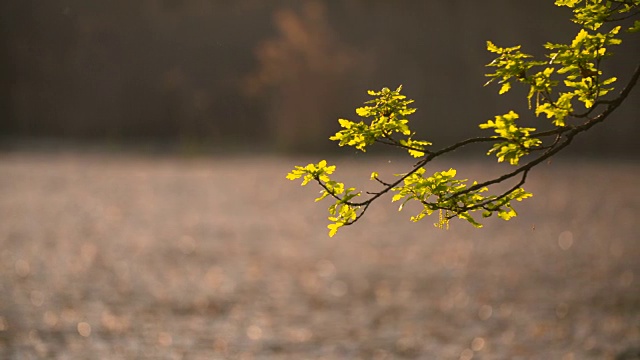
{"x": 271, "y": 75}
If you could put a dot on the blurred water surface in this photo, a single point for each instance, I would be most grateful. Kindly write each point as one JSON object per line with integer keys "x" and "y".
{"x": 127, "y": 256}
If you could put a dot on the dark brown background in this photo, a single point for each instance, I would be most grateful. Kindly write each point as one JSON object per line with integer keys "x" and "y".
{"x": 274, "y": 75}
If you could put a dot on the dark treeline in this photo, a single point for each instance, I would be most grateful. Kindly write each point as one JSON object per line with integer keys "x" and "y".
{"x": 274, "y": 74}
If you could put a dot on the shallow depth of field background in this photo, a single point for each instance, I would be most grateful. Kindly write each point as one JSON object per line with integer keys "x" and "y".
{"x": 145, "y": 214}
{"x": 254, "y": 75}
{"x": 120, "y": 256}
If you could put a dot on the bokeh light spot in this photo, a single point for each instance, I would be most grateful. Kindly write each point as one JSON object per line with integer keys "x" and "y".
{"x": 84, "y": 329}
{"x": 326, "y": 268}
{"x": 50, "y": 319}
{"x": 477, "y": 344}
{"x": 565, "y": 240}
{"x": 485, "y": 312}
{"x": 466, "y": 354}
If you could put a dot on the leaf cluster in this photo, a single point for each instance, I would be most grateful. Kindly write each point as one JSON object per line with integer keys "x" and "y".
{"x": 442, "y": 191}
{"x": 593, "y": 14}
{"x": 578, "y": 62}
{"x": 515, "y": 141}
{"x": 388, "y": 112}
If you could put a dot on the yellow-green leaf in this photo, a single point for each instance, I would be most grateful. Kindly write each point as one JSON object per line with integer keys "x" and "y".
{"x": 333, "y": 228}
{"x": 505, "y": 87}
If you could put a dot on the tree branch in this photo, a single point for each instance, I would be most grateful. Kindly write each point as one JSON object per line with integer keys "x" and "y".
{"x": 564, "y": 136}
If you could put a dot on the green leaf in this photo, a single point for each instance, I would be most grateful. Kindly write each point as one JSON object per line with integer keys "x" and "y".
{"x": 293, "y": 175}
{"x": 345, "y": 123}
{"x": 416, "y": 153}
{"x": 324, "y": 195}
{"x": 492, "y": 47}
{"x": 506, "y": 215}
{"x": 505, "y": 87}
{"x": 470, "y": 219}
{"x": 449, "y": 173}
{"x": 579, "y": 38}
{"x": 333, "y": 228}
{"x": 569, "y": 3}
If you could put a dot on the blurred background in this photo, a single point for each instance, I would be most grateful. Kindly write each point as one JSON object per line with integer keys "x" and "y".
{"x": 257, "y": 75}
{"x": 114, "y": 245}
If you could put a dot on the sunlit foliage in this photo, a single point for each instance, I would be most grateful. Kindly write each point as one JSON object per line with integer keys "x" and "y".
{"x": 568, "y": 87}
